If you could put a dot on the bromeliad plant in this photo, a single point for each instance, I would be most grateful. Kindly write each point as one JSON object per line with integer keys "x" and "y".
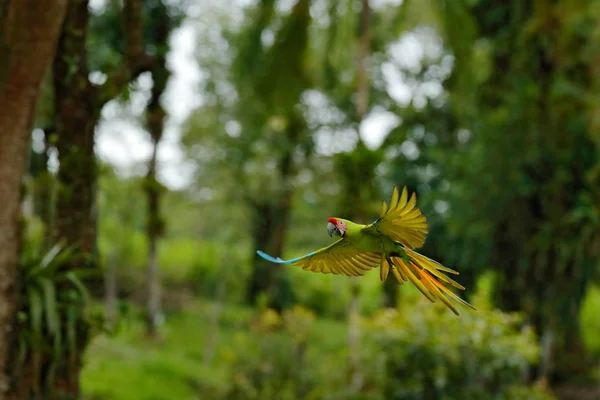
{"x": 52, "y": 299}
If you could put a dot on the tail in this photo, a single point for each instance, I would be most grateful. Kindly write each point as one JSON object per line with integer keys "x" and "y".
{"x": 422, "y": 272}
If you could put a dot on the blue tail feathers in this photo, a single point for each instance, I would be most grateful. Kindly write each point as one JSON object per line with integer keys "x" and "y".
{"x": 279, "y": 260}
{"x": 269, "y": 258}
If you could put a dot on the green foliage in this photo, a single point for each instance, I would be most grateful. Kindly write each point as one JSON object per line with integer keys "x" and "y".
{"x": 201, "y": 264}
{"x": 506, "y": 170}
{"x": 416, "y": 352}
{"x": 487, "y": 352}
{"x": 589, "y": 322}
{"x": 121, "y": 220}
{"x": 275, "y": 367}
{"x": 241, "y": 137}
{"x": 51, "y": 302}
{"x": 107, "y": 41}
{"x": 530, "y": 162}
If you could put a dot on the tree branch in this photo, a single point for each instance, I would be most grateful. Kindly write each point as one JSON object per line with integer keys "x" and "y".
{"x": 134, "y": 29}
{"x": 136, "y": 60}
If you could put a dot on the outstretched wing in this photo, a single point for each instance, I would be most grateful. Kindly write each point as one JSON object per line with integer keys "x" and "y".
{"x": 402, "y": 221}
{"x": 339, "y": 258}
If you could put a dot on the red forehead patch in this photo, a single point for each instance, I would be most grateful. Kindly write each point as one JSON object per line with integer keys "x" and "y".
{"x": 332, "y": 220}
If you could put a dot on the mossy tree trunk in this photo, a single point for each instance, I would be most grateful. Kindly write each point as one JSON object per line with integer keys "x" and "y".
{"x": 78, "y": 104}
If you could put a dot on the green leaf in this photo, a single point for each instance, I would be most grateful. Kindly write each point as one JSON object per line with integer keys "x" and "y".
{"x": 52, "y": 313}
{"x": 79, "y": 285}
{"x": 54, "y": 259}
{"x": 36, "y": 268}
{"x": 51, "y": 255}
{"x": 36, "y": 308}
{"x": 50, "y": 305}
{"x": 64, "y": 257}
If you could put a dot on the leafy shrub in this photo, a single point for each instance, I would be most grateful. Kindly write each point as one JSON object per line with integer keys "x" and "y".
{"x": 419, "y": 352}
{"x": 432, "y": 354}
{"x": 590, "y": 323}
{"x": 51, "y": 302}
{"x": 273, "y": 366}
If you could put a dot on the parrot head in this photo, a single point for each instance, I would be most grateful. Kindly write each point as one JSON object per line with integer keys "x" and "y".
{"x": 336, "y": 227}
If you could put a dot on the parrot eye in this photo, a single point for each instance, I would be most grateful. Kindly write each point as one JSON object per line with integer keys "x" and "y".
{"x": 341, "y": 228}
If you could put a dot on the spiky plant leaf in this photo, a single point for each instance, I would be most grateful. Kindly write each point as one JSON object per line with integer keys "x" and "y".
{"x": 50, "y": 256}
{"x": 81, "y": 289}
{"x": 55, "y": 258}
{"x": 67, "y": 255}
{"x": 36, "y": 307}
{"x": 33, "y": 266}
{"x": 51, "y": 311}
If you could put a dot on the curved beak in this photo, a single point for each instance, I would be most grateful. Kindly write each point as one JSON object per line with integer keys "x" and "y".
{"x": 331, "y": 229}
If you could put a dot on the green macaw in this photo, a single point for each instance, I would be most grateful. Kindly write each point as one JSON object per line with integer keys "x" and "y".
{"x": 389, "y": 243}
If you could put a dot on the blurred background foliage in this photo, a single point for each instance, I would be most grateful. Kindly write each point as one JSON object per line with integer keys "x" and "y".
{"x": 308, "y": 109}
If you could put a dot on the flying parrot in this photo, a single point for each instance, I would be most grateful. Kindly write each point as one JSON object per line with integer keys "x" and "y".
{"x": 389, "y": 243}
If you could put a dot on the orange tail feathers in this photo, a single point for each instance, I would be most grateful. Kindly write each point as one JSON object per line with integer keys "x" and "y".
{"x": 422, "y": 272}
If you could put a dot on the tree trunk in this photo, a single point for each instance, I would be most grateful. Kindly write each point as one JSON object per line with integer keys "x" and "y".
{"x": 78, "y": 104}
{"x": 41, "y": 187}
{"x": 28, "y": 33}
{"x": 154, "y": 230}
{"x": 77, "y": 111}
{"x": 270, "y": 223}
{"x": 362, "y": 107}
{"x": 153, "y": 285}
{"x": 111, "y": 293}
{"x": 277, "y": 90}
{"x": 156, "y": 122}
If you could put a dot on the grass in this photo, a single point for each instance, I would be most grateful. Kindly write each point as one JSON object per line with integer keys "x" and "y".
{"x": 129, "y": 366}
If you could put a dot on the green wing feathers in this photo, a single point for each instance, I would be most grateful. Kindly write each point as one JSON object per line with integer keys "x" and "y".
{"x": 402, "y": 221}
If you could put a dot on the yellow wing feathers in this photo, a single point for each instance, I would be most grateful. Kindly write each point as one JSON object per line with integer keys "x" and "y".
{"x": 340, "y": 258}
{"x": 402, "y": 220}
